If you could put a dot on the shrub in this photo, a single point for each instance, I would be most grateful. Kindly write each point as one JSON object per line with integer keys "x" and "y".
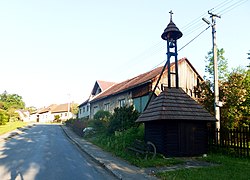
{"x": 3, "y": 117}
{"x": 117, "y": 142}
{"x": 100, "y": 121}
{"x": 57, "y": 118}
{"x": 79, "y": 125}
{"x": 69, "y": 122}
{"x": 122, "y": 119}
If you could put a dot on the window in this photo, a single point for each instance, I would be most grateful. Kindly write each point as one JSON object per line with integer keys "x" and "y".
{"x": 87, "y": 108}
{"x": 65, "y": 114}
{"x": 122, "y": 103}
{"x": 80, "y": 111}
{"x": 140, "y": 103}
{"x": 83, "y": 109}
{"x": 95, "y": 109}
{"x": 106, "y": 107}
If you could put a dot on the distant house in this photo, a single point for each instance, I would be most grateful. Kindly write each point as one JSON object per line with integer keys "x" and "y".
{"x": 23, "y": 115}
{"x": 48, "y": 114}
{"x": 84, "y": 111}
{"x": 136, "y": 91}
{"x": 99, "y": 87}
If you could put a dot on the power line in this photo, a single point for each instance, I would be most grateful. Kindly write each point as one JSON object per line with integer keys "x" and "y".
{"x": 199, "y": 26}
{"x": 184, "y": 45}
{"x": 222, "y": 4}
{"x": 233, "y": 6}
{"x": 225, "y": 10}
{"x": 193, "y": 38}
{"x": 189, "y": 29}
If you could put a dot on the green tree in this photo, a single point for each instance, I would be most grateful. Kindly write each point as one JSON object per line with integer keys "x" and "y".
{"x": 222, "y": 65}
{"x": 3, "y": 117}
{"x": 11, "y": 101}
{"x": 100, "y": 121}
{"x": 122, "y": 119}
{"x": 235, "y": 95}
{"x": 234, "y": 91}
{"x": 74, "y": 108}
{"x": 31, "y": 109}
{"x": 57, "y": 118}
{"x": 206, "y": 96}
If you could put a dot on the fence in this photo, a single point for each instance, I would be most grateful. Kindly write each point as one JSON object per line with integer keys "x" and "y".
{"x": 236, "y": 141}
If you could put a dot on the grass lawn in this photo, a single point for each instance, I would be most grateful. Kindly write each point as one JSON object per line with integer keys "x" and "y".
{"x": 228, "y": 168}
{"x": 117, "y": 145}
{"x": 10, "y": 126}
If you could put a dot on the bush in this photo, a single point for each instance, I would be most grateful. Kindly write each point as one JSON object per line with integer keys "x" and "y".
{"x": 57, "y": 118}
{"x": 3, "y": 117}
{"x": 77, "y": 125}
{"x": 122, "y": 119}
{"x": 70, "y": 122}
{"x": 117, "y": 142}
{"x": 100, "y": 121}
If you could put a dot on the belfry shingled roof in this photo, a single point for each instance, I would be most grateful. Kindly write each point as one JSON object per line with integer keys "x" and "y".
{"x": 175, "y": 104}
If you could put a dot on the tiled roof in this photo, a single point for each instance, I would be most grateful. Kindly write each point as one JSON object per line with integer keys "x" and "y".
{"x": 54, "y": 108}
{"x": 175, "y": 104}
{"x": 60, "y": 108}
{"x": 134, "y": 82}
{"x": 105, "y": 84}
{"x": 46, "y": 109}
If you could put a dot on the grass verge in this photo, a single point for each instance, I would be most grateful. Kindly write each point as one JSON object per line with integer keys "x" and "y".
{"x": 10, "y": 126}
{"x": 228, "y": 168}
{"x": 117, "y": 144}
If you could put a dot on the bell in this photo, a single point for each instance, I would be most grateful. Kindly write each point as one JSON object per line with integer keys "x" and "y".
{"x": 171, "y": 32}
{"x": 171, "y": 44}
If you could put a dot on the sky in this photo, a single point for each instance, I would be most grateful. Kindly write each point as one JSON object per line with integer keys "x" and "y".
{"x": 53, "y": 51}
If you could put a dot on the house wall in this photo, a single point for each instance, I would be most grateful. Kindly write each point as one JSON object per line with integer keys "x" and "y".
{"x": 46, "y": 117}
{"x": 23, "y": 115}
{"x": 50, "y": 117}
{"x": 33, "y": 117}
{"x": 188, "y": 79}
{"x": 63, "y": 115}
{"x": 112, "y": 102}
{"x": 84, "y": 111}
{"x": 138, "y": 96}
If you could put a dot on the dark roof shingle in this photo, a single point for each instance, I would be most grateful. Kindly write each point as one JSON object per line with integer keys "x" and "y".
{"x": 175, "y": 104}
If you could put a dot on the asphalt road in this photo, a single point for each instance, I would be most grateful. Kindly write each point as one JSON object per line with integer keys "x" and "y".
{"x": 44, "y": 152}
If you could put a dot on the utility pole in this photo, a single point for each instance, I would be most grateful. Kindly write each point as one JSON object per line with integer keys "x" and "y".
{"x": 216, "y": 84}
{"x": 217, "y": 103}
{"x": 68, "y": 106}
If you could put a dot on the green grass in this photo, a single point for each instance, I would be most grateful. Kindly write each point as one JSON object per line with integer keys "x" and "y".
{"x": 10, "y": 126}
{"x": 228, "y": 168}
{"x": 117, "y": 144}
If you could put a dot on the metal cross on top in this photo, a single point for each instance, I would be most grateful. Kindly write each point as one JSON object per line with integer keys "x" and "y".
{"x": 171, "y": 13}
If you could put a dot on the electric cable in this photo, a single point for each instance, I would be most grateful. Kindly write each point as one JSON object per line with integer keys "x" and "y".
{"x": 188, "y": 29}
{"x": 231, "y": 7}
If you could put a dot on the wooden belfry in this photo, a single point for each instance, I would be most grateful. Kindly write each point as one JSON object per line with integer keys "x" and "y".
{"x": 174, "y": 122}
{"x": 171, "y": 34}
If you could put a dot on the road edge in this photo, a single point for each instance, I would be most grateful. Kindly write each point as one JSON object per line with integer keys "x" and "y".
{"x": 106, "y": 167}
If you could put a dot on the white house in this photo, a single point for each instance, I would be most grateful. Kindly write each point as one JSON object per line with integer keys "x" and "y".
{"x": 49, "y": 113}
